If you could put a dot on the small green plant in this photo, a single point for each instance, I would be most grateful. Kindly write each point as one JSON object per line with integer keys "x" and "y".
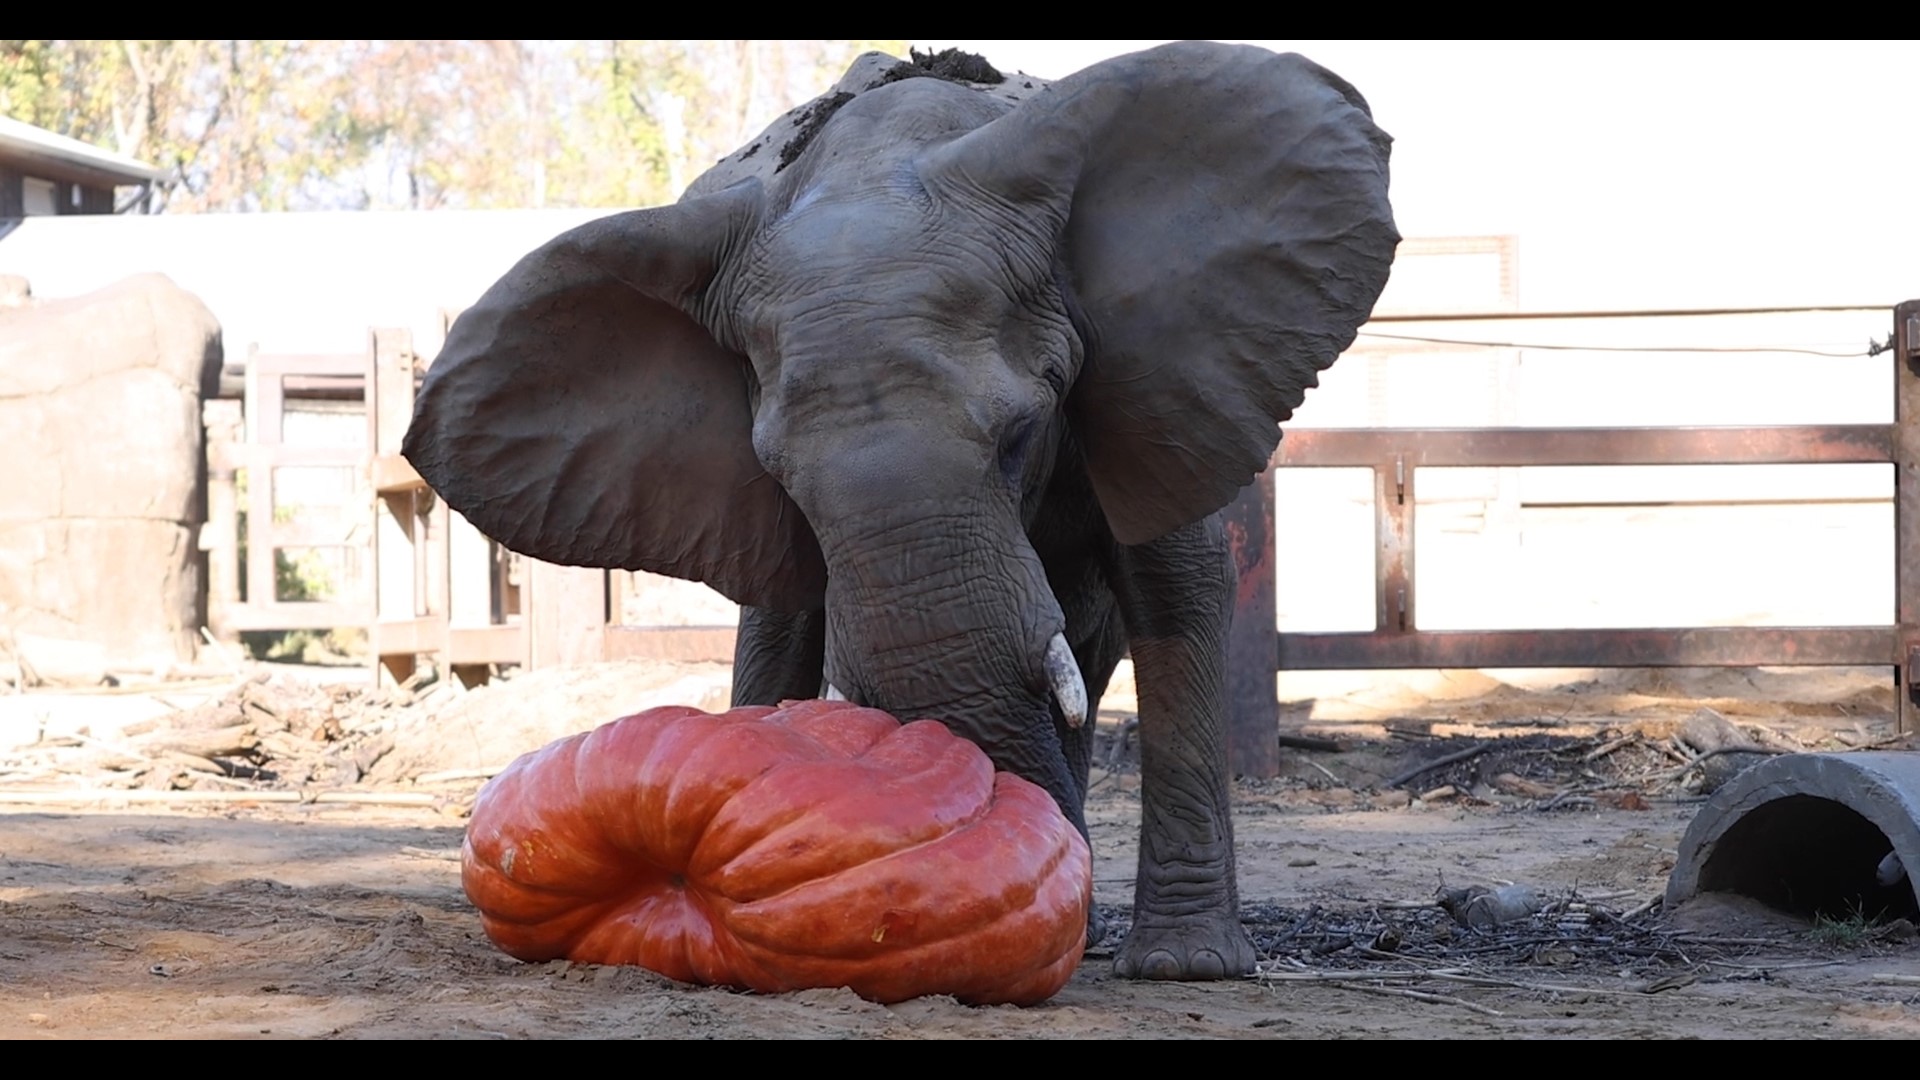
{"x": 1849, "y": 931}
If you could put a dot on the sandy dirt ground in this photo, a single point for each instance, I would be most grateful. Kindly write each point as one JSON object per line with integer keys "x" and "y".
{"x": 129, "y": 907}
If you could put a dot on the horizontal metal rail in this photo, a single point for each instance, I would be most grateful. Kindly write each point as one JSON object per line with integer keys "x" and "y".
{"x": 1710, "y": 646}
{"x": 1828, "y": 444}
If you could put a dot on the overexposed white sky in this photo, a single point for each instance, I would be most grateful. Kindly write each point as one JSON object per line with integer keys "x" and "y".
{"x": 1637, "y": 174}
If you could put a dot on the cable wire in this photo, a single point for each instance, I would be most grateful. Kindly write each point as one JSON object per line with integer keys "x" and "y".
{"x": 1871, "y": 350}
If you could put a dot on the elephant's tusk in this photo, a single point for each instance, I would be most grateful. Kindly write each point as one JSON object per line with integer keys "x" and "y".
{"x": 1063, "y": 674}
{"x": 1890, "y": 870}
{"x": 834, "y": 694}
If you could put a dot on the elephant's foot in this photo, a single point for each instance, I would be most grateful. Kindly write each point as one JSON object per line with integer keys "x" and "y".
{"x": 1189, "y": 948}
{"x": 1096, "y": 927}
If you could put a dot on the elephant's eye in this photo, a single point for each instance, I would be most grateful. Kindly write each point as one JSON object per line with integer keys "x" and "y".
{"x": 1055, "y": 380}
{"x": 1013, "y": 451}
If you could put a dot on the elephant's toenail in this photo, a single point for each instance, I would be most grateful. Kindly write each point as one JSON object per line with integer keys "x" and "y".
{"x": 1159, "y": 964}
{"x": 1207, "y": 964}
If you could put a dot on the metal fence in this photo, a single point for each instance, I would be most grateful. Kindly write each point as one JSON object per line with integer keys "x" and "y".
{"x": 1396, "y": 641}
{"x": 407, "y": 595}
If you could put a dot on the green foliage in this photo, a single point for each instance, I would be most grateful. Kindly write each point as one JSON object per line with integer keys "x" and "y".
{"x": 297, "y": 576}
{"x": 292, "y": 125}
{"x": 304, "y": 576}
{"x": 339, "y": 647}
{"x": 301, "y": 577}
{"x": 1851, "y": 930}
{"x": 679, "y": 106}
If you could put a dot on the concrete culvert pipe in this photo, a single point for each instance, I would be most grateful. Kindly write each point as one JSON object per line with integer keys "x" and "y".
{"x": 1810, "y": 834}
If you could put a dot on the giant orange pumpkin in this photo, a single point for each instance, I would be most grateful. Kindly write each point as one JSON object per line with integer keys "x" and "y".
{"x": 818, "y": 844}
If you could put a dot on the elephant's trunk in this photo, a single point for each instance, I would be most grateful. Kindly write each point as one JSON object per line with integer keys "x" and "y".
{"x": 938, "y": 607}
{"x": 1063, "y": 677}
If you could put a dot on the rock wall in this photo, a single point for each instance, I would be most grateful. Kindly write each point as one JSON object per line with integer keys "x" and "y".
{"x": 102, "y": 466}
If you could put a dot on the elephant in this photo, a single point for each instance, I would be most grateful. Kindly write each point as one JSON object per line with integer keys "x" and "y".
{"x": 948, "y": 394}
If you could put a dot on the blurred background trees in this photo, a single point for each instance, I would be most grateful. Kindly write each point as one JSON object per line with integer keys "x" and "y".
{"x": 352, "y": 125}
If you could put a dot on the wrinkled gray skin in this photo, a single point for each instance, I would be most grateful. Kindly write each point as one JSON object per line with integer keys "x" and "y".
{"x": 977, "y": 368}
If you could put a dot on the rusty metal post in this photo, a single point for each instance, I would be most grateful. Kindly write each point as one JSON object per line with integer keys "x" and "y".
{"x": 1253, "y": 647}
{"x": 1906, "y": 509}
{"x": 1393, "y": 545}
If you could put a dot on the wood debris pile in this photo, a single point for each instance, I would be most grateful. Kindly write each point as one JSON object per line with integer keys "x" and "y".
{"x": 268, "y": 732}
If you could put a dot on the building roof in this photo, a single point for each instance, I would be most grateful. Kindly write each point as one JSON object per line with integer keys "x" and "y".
{"x": 308, "y": 282}
{"x": 56, "y": 157}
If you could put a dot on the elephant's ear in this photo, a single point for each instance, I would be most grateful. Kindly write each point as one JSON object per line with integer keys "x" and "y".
{"x": 579, "y": 415}
{"x": 1225, "y": 231}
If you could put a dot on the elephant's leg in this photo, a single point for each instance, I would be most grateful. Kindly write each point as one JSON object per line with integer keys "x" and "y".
{"x": 1176, "y": 595}
{"x": 777, "y": 655}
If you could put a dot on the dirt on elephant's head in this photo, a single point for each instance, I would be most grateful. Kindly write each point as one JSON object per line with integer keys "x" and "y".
{"x": 951, "y": 65}
{"x": 809, "y": 124}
